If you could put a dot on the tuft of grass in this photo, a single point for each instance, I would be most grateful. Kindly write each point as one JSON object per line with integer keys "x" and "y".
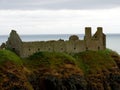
{"x": 6, "y": 55}
{"x": 95, "y": 61}
{"x": 48, "y": 59}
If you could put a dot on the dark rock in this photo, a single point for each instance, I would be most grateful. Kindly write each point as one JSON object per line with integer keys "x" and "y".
{"x": 74, "y": 82}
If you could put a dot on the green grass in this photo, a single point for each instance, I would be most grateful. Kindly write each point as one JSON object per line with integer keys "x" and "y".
{"x": 6, "y": 55}
{"x": 94, "y": 61}
{"x": 48, "y": 59}
{"x": 88, "y": 61}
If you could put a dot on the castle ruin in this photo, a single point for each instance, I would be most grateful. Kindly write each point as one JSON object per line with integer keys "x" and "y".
{"x": 73, "y": 45}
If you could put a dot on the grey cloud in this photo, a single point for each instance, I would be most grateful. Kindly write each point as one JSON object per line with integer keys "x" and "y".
{"x": 58, "y": 4}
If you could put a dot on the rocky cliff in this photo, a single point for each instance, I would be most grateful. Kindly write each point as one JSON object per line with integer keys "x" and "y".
{"x": 89, "y": 70}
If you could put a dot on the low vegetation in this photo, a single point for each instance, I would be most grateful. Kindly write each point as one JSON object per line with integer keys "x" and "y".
{"x": 6, "y": 55}
{"x": 93, "y": 62}
{"x": 51, "y": 58}
{"x": 87, "y": 69}
{"x": 53, "y": 63}
{"x": 88, "y": 61}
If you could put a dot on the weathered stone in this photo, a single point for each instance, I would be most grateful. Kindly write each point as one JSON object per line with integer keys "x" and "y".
{"x": 73, "y": 45}
{"x": 3, "y": 46}
{"x": 74, "y": 38}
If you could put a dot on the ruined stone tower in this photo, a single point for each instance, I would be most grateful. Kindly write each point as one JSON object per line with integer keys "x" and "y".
{"x": 95, "y": 42}
{"x": 14, "y": 42}
{"x": 73, "y": 45}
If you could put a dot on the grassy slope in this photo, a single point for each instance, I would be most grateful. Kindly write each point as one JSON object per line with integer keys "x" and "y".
{"x": 49, "y": 59}
{"x": 52, "y": 63}
{"x": 89, "y": 61}
{"x": 6, "y": 55}
{"x": 15, "y": 70}
{"x": 92, "y": 61}
{"x": 11, "y": 72}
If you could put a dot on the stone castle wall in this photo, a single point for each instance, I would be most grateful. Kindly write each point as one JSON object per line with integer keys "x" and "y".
{"x": 73, "y": 45}
{"x": 53, "y": 46}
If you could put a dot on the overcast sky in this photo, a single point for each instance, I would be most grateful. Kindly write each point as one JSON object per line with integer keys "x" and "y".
{"x": 59, "y": 16}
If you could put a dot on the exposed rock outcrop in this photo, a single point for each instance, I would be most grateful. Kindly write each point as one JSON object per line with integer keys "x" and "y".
{"x": 66, "y": 76}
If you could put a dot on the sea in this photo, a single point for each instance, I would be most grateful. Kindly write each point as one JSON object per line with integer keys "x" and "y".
{"x": 112, "y": 40}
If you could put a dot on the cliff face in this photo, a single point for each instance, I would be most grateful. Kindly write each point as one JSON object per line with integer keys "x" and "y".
{"x": 13, "y": 78}
{"x": 55, "y": 71}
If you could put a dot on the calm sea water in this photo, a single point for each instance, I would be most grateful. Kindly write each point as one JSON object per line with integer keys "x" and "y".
{"x": 112, "y": 40}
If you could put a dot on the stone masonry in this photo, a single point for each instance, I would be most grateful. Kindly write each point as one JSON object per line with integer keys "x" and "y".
{"x": 73, "y": 45}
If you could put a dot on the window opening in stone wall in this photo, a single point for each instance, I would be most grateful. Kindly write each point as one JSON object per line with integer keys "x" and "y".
{"x": 49, "y": 49}
{"x": 61, "y": 48}
{"x": 98, "y": 48}
{"x": 95, "y": 36}
{"x": 10, "y": 43}
{"x": 74, "y": 48}
{"x": 86, "y": 48}
{"x": 13, "y": 49}
{"x": 38, "y": 49}
{"x": 29, "y": 49}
